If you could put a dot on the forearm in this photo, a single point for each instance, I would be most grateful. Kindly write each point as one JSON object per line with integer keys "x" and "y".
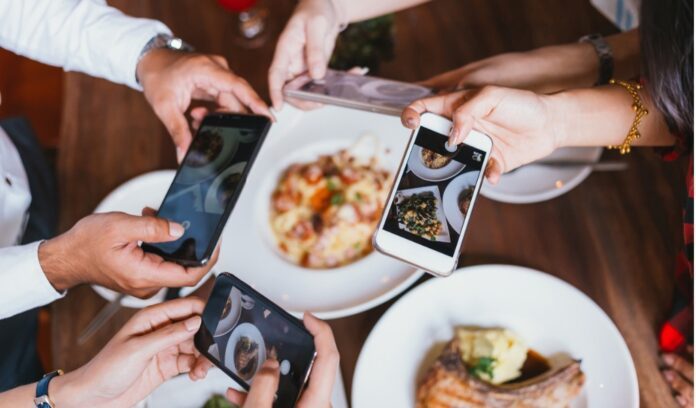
{"x": 602, "y": 116}
{"x": 62, "y": 391}
{"x": 358, "y": 10}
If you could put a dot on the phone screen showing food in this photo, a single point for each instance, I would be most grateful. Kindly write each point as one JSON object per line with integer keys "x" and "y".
{"x": 207, "y": 183}
{"x": 366, "y": 89}
{"x": 433, "y": 198}
{"x": 241, "y": 329}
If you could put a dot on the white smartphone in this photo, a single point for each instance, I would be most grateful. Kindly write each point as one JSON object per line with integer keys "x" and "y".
{"x": 357, "y": 91}
{"x": 432, "y": 199}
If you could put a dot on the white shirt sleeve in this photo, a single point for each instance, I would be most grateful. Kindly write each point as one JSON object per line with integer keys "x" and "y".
{"x": 23, "y": 284}
{"x": 78, "y": 35}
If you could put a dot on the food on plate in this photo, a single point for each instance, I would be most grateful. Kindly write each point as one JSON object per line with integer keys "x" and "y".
{"x": 218, "y": 401}
{"x": 434, "y": 160}
{"x": 324, "y": 212}
{"x": 465, "y": 199}
{"x": 246, "y": 357}
{"x": 494, "y": 368}
{"x": 227, "y": 308}
{"x": 227, "y": 188}
{"x": 209, "y": 145}
{"x": 418, "y": 215}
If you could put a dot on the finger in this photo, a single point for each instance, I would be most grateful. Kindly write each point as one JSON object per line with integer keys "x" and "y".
{"x": 278, "y": 72}
{"x": 359, "y": 70}
{"x": 679, "y": 364}
{"x": 326, "y": 364}
{"x": 679, "y": 384}
{"x": 223, "y": 80}
{"x": 690, "y": 349}
{"x": 317, "y": 30}
{"x": 156, "y": 316}
{"x": 148, "y": 212}
{"x": 446, "y": 80}
{"x": 263, "y": 390}
{"x": 236, "y": 397}
{"x": 131, "y": 228}
{"x": 185, "y": 362}
{"x": 174, "y": 120}
{"x": 229, "y": 102}
{"x": 200, "y": 368}
{"x": 493, "y": 171}
{"x": 442, "y": 105}
{"x": 170, "y": 335}
{"x": 197, "y": 115}
{"x": 683, "y": 402}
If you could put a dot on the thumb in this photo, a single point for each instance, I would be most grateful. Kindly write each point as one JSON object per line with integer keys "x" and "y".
{"x": 317, "y": 31}
{"x": 151, "y": 229}
{"x": 176, "y": 124}
{"x": 168, "y": 336}
{"x": 263, "y": 390}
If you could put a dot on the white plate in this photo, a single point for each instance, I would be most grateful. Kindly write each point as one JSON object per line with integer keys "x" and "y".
{"x": 226, "y": 324}
{"x": 533, "y": 184}
{"x": 248, "y": 248}
{"x": 415, "y": 164}
{"x": 443, "y": 236}
{"x": 147, "y": 190}
{"x": 450, "y": 199}
{"x": 551, "y": 315}
{"x": 252, "y": 332}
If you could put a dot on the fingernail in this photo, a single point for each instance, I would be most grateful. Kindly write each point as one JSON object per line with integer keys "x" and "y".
{"x": 175, "y": 230}
{"x": 681, "y": 400}
{"x": 668, "y": 359}
{"x": 193, "y": 323}
{"x": 271, "y": 363}
{"x": 411, "y": 122}
{"x": 669, "y": 375}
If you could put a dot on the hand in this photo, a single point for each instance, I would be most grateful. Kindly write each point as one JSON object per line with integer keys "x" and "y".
{"x": 172, "y": 79}
{"x": 519, "y": 123}
{"x": 155, "y": 345}
{"x": 305, "y": 44}
{"x": 679, "y": 374}
{"x": 321, "y": 381}
{"x": 103, "y": 249}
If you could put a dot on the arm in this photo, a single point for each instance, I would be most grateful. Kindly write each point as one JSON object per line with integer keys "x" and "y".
{"x": 85, "y": 36}
{"x": 546, "y": 69}
{"x": 358, "y": 10}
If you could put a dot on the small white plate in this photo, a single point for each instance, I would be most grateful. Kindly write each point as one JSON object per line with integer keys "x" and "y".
{"x": 416, "y": 165}
{"x": 533, "y": 184}
{"x": 400, "y": 195}
{"x": 131, "y": 197}
{"x": 252, "y": 332}
{"x": 450, "y": 199}
{"x": 226, "y": 324}
{"x": 549, "y": 314}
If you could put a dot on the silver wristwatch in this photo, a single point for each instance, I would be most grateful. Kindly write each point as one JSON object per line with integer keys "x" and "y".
{"x": 605, "y": 55}
{"x": 167, "y": 41}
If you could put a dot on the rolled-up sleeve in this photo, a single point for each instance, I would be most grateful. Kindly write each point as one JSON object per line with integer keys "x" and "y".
{"x": 23, "y": 284}
{"x": 78, "y": 35}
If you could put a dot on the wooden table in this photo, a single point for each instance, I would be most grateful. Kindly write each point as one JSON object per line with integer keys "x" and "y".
{"x": 614, "y": 237}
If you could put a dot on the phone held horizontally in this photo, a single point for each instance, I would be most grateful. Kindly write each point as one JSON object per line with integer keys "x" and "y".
{"x": 206, "y": 186}
{"x": 432, "y": 199}
{"x": 242, "y": 328}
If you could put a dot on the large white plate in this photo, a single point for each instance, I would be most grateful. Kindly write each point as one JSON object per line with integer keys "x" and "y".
{"x": 533, "y": 184}
{"x": 248, "y": 248}
{"x": 147, "y": 190}
{"x": 551, "y": 315}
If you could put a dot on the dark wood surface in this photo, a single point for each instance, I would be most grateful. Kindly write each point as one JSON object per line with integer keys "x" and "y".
{"x": 614, "y": 237}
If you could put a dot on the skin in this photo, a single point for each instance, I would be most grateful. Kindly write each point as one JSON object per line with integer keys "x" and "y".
{"x": 678, "y": 372}
{"x": 321, "y": 381}
{"x": 70, "y": 258}
{"x": 171, "y": 80}
{"x": 155, "y": 345}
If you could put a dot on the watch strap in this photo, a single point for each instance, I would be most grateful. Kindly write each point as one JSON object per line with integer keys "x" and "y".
{"x": 167, "y": 41}
{"x": 605, "y": 55}
{"x": 42, "y": 399}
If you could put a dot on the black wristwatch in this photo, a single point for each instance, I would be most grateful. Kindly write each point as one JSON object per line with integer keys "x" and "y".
{"x": 605, "y": 55}
{"x": 42, "y": 400}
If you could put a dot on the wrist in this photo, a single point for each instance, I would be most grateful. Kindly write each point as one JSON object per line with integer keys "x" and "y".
{"x": 53, "y": 257}
{"x": 65, "y": 391}
{"x": 557, "y": 119}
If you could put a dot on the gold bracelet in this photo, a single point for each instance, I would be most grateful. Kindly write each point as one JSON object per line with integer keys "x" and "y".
{"x": 638, "y": 108}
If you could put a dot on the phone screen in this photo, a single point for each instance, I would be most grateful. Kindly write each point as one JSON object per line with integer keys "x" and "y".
{"x": 241, "y": 329}
{"x": 366, "y": 89}
{"x": 432, "y": 200}
{"x": 207, "y": 182}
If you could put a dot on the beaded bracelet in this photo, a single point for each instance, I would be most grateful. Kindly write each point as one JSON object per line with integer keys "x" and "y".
{"x": 638, "y": 108}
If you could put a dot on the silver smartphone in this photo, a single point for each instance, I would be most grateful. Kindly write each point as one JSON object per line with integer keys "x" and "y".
{"x": 433, "y": 197}
{"x": 357, "y": 92}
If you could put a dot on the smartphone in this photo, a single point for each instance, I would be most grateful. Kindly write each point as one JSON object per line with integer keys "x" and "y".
{"x": 241, "y": 329}
{"x": 433, "y": 197}
{"x": 208, "y": 183}
{"x": 357, "y": 91}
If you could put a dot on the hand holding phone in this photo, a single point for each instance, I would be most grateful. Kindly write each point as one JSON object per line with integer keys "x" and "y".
{"x": 208, "y": 183}
{"x": 242, "y": 329}
{"x": 433, "y": 197}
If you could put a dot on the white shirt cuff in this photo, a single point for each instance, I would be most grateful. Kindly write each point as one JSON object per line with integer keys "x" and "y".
{"x": 23, "y": 284}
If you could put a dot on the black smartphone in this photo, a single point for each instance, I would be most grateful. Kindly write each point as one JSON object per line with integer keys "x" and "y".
{"x": 206, "y": 186}
{"x": 242, "y": 328}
